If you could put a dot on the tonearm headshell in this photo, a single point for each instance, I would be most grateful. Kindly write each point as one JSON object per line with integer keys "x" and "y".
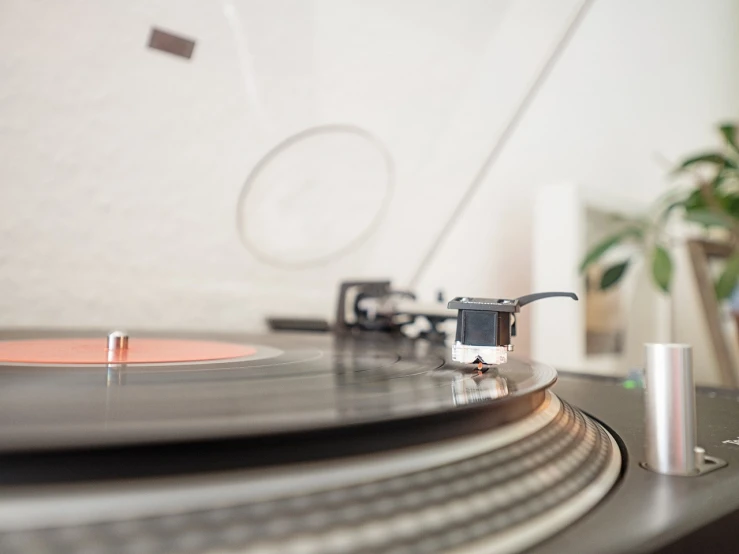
{"x": 485, "y": 327}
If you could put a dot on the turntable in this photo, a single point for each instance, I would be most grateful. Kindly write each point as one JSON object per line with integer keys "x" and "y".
{"x": 353, "y": 441}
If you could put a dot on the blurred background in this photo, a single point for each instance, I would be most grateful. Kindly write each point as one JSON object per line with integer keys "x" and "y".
{"x": 476, "y": 147}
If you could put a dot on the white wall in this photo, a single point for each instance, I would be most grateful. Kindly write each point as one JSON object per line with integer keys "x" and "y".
{"x": 122, "y": 166}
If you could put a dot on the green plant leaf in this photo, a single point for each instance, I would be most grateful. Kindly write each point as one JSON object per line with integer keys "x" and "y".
{"x": 695, "y": 201}
{"x": 728, "y": 130}
{"x": 667, "y": 210}
{"x": 731, "y": 205}
{"x": 720, "y": 177}
{"x": 613, "y": 275}
{"x": 662, "y": 268}
{"x": 606, "y": 244}
{"x": 715, "y": 158}
{"x": 728, "y": 279}
{"x": 707, "y": 218}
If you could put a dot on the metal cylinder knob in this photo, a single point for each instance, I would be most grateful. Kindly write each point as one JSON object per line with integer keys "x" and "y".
{"x": 671, "y": 439}
{"x": 117, "y": 341}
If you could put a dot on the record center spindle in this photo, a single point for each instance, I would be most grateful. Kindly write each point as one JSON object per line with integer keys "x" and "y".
{"x": 117, "y": 341}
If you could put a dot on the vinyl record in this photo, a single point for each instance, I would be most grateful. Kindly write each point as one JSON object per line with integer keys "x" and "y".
{"x": 60, "y": 391}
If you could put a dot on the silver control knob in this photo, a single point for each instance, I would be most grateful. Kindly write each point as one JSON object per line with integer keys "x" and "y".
{"x": 671, "y": 431}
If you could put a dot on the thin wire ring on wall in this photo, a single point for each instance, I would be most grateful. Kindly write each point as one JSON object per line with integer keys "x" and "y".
{"x": 289, "y": 142}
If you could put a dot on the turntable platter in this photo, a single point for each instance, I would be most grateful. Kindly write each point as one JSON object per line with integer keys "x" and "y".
{"x": 307, "y": 444}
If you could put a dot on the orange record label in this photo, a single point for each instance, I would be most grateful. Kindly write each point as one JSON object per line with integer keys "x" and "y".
{"x": 139, "y": 351}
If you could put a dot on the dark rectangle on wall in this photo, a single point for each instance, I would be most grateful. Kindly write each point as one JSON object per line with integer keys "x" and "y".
{"x": 172, "y": 44}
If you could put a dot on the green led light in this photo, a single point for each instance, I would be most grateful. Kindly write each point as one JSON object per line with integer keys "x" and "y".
{"x": 629, "y": 384}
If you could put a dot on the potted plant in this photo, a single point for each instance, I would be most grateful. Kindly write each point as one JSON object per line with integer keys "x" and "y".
{"x": 711, "y": 202}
